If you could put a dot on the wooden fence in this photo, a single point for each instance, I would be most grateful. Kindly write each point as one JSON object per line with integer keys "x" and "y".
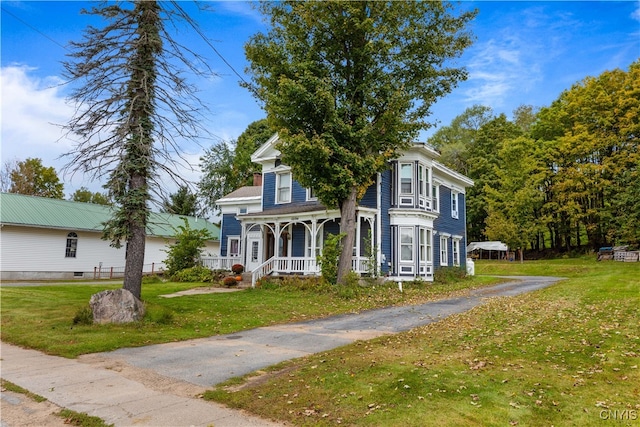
{"x": 102, "y": 272}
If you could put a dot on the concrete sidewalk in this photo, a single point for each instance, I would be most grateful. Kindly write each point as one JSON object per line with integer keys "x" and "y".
{"x": 108, "y": 395}
{"x": 157, "y": 385}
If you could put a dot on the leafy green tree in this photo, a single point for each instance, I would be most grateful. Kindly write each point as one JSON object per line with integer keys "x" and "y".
{"x": 227, "y": 167}
{"x": 625, "y": 191}
{"x": 182, "y": 202}
{"x": 84, "y": 195}
{"x": 186, "y": 251}
{"x": 218, "y": 176}
{"x": 136, "y": 107}
{"x": 515, "y": 198}
{"x": 455, "y": 142}
{"x": 30, "y": 177}
{"x": 482, "y": 163}
{"x": 591, "y": 137}
{"x": 524, "y": 117}
{"x": 348, "y": 84}
{"x": 256, "y": 134}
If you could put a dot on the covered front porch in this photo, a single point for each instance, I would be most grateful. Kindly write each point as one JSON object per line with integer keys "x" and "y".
{"x": 282, "y": 242}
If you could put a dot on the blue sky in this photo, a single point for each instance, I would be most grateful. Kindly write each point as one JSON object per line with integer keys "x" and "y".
{"x": 524, "y": 53}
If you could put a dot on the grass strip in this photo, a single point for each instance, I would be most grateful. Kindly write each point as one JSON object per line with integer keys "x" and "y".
{"x": 566, "y": 355}
{"x": 41, "y": 317}
{"x": 70, "y": 417}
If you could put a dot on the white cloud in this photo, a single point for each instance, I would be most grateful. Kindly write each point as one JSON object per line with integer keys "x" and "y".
{"x": 636, "y": 13}
{"x": 32, "y": 110}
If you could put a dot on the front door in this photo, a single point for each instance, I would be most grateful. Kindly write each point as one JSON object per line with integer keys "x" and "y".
{"x": 254, "y": 250}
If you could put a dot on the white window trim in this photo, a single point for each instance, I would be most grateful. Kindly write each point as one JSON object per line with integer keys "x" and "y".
{"x": 71, "y": 247}
{"x": 435, "y": 197}
{"x": 229, "y": 240}
{"x": 456, "y": 253}
{"x": 412, "y": 243}
{"x": 255, "y": 255}
{"x": 411, "y": 168}
{"x": 310, "y": 195}
{"x": 424, "y": 186}
{"x": 426, "y": 247}
{"x": 319, "y": 242}
{"x": 278, "y": 187}
{"x": 444, "y": 251}
{"x": 455, "y": 204}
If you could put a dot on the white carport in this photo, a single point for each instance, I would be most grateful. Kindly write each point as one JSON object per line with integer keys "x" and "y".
{"x": 491, "y": 246}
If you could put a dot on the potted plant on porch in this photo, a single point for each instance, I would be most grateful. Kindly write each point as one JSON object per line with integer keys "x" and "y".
{"x": 238, "y": 269}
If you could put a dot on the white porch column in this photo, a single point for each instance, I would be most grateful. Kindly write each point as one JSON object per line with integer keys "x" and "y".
{"x": 243, "y": 243}
{"x": 313, "y": 243}
{"x": 358, "y": 234}
{"x": 378, "y": 222}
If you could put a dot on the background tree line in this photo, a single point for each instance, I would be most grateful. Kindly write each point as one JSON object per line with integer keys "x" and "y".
{"x": 30, "y": 177}
{"x": 559, "y": 177}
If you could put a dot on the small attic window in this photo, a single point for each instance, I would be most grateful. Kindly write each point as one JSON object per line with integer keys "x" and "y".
{"x": 72, "y": 245}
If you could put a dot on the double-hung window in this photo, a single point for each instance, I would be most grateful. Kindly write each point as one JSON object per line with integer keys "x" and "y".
{"x": 423, "y": 186}
{"x": 454, "y": 204}
{"x": 234, "y": 246}
{"x": 456, "y": 252}
{"x": 406, "y": 243}
{"x": 72, "y": 245}
{"x": 425, "y": 245}
{"x": 406, "y": 178}
{"x": 435, "y": 197}
{"x": 311, "y": 194}
{"x": 313, "y": 252}
{"x": 283, "y": 187}
{"x": 444, "y": 250}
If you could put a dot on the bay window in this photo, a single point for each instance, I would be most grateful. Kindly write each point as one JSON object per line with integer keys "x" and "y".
{"x": 406, "y": 243}
{"x": 406, "y": 178}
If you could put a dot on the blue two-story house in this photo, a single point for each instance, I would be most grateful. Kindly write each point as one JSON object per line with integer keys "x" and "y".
{"x": 409, "y": 223}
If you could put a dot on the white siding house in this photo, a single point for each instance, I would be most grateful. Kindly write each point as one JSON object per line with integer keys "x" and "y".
{"x": 43, "y": 238}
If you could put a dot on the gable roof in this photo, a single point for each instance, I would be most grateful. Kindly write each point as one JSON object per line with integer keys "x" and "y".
{"x": 267, "y": 151}
{"x": 42, "y": 212}
{"x": 246, "y": 192}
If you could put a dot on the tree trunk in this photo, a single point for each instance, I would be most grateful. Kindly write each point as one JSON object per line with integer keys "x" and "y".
{"x": 348, "y": 227}
{"x": 135, "y": 261}
{"x": 138, "y": 149}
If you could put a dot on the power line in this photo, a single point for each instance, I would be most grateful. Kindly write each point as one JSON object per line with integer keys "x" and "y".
{"x": 33, "y": 28}
{"x": 198, "y": 30}
{"x": 191, "y": 22}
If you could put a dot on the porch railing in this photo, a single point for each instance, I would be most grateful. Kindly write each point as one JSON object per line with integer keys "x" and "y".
{"x": 220, "y": 263}
{"x": 281, "y": 265}
{"x": 264, "y": 269}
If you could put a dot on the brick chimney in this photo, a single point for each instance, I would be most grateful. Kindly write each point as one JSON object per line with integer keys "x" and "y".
{"x": 257, "y": 179}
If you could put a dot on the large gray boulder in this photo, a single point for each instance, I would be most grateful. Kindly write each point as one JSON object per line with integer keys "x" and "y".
{"x": 116, "y": 306}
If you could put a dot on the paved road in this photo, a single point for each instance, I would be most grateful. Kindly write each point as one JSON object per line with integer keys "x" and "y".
{"x": 209, "y": 361}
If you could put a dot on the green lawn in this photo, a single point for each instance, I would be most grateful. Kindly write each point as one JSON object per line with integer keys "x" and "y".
{"x": 567, "y": 355}
{"x": 41, "y": 317}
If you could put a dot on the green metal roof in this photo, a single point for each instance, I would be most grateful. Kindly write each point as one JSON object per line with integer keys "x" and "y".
{"x": 18, "y": 209}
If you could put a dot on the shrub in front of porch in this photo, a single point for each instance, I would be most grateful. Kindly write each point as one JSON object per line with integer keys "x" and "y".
{"x": 195, "y": 274}
{"x": 445, "y": 275}
{"x": 237, "y": 268}
{"x": 328, "y": 260}
{"x": 185, "y": 252}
